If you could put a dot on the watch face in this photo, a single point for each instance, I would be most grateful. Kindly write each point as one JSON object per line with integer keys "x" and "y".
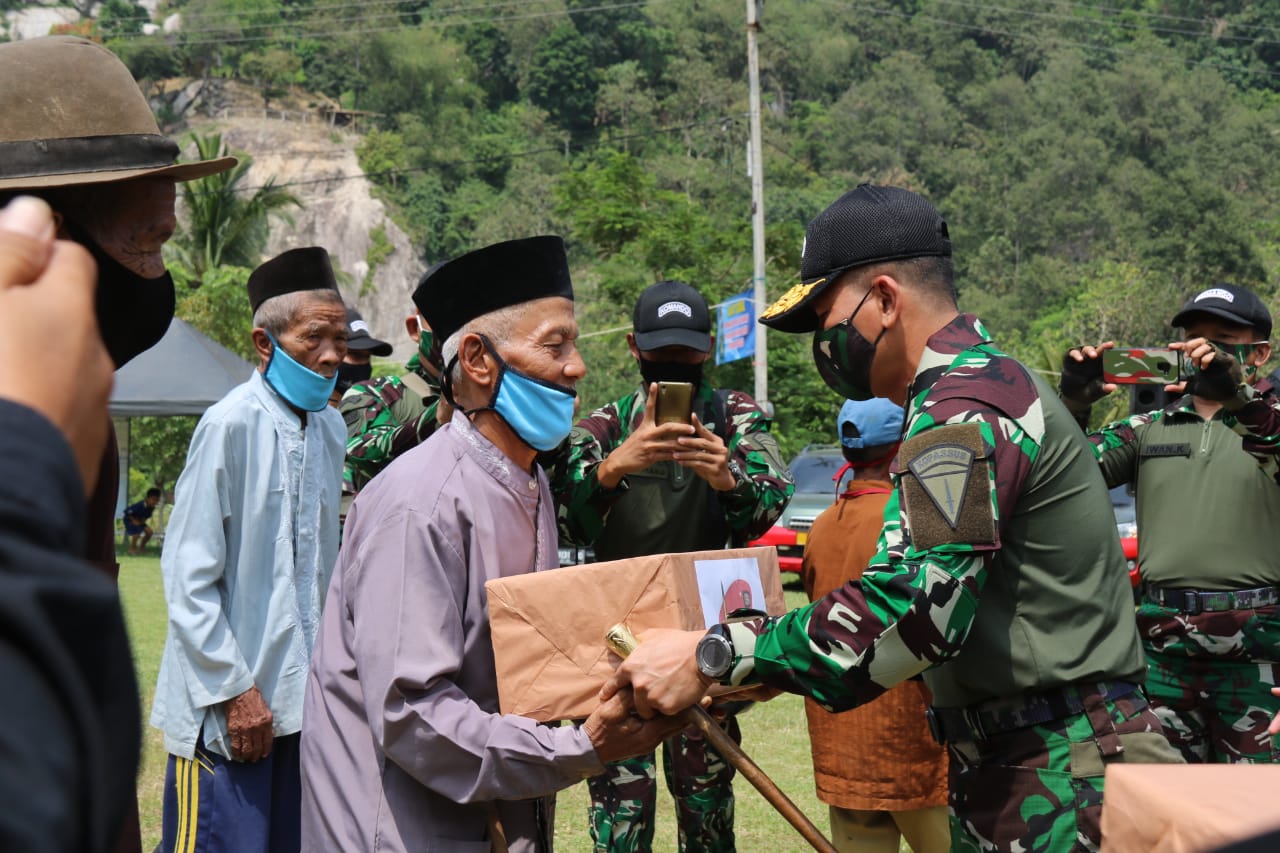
{"x": 714, "y": 656}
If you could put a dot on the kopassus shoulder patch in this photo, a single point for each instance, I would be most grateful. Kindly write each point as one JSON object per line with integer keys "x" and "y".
{"x": 946, "y": 487}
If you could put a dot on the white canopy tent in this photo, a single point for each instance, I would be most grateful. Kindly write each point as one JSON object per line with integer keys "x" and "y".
{"x": 184, "y": 374}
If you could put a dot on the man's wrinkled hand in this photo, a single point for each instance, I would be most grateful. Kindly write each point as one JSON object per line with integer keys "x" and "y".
{"x": 662, "y": 671}
{"x": 650, "y": 442}
{"x": 249, "y": 726}
{"x": 617, "y": 733}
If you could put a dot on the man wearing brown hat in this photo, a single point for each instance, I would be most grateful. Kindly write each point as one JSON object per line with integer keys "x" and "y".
{"x": 998, "y": 575}
{"x": 251, "y": 542}
{"x": 76, "y": 130}
{"x": 403, "y": 747}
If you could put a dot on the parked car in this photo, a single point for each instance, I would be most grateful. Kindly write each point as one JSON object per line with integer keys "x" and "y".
{"x": 1122, "y": 504}
{"x": 814, "y": 469}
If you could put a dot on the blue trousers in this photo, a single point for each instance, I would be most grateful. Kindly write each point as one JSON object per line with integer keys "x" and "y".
{"x": 214, "y": 805}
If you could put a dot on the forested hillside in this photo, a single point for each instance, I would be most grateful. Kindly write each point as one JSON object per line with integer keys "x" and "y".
{"x": 1096, "y": 161}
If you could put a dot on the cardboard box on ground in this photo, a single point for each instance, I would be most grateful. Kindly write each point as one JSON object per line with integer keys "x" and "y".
{"x": 548, "y": 627}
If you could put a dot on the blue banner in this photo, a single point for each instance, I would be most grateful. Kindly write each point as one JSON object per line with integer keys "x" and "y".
{"x": 737, "y": 338}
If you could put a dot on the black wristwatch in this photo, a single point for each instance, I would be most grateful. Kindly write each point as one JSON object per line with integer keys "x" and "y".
{"x": 715, "y": 653}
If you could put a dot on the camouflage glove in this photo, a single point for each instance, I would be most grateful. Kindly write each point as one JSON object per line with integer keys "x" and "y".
{"x": 1222, "y": 381}
{"x": 1080, "y": 384}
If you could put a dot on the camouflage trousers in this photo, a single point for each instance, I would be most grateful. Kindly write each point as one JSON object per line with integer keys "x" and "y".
{"x": 623, "y": 798}
{"x": 1040, "y": 788}
{"x": 1209, "y": 679}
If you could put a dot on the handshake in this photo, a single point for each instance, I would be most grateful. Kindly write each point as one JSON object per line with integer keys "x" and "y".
{"x": 1206, "y": 369}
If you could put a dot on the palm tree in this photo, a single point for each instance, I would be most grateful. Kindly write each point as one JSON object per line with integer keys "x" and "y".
{"x": 225, "y": 224}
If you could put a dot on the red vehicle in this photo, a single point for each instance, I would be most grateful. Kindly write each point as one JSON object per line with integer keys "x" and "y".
{"x": 1122, "y": 504}
{"x": 814, "y": 470}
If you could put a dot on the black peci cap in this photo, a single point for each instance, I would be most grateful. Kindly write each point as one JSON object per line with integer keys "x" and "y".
{"x": 359, "y": 337}
{"x": 671, "y": 313}
{"x": 453, "y": 293}
{"x": 296, "y": 269}
{"x": 1230, "y": 302}
{"x": 867, "y": 225}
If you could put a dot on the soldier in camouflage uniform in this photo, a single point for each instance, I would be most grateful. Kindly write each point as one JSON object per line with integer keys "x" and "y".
{"x": 631, "y": 487}
{"x": 1210, "y": 612}
{"x": 392, "y": 414}
{"x": 998, "y": 574}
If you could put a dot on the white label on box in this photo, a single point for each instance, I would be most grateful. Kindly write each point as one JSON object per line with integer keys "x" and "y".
{"x": 728, "y": 585}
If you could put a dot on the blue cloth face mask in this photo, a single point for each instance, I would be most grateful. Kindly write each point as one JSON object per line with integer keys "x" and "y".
{"x": 300, "y": 386}
{"x": 540, "y": 412}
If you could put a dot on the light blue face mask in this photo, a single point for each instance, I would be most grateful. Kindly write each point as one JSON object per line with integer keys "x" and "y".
{"x": 300, "y": 386}
{"x": 540, "y": 412}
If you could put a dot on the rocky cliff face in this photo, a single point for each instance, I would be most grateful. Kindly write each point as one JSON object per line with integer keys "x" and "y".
{"x": 338, "y": 212}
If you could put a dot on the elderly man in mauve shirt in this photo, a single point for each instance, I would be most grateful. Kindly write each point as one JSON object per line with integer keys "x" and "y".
{"x": 403, "y": 748}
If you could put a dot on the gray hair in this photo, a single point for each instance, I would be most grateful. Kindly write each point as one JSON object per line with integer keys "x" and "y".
{"x": 277, "y": 313}
{"x": 497, "y": 326}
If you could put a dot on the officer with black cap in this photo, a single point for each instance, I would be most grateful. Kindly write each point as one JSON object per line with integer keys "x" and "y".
{"x": 1208, "y": 504}
{"x": 998, "y": 575}
{"x": 361, "y": 347}
{"x": 635, "y": 483}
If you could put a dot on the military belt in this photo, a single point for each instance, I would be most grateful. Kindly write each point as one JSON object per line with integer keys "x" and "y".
{"x": 997, "y": 716}
{"x": 1192, "y": 601}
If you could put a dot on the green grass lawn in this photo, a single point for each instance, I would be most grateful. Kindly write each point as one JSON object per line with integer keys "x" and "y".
{"x": 774, "y": 735}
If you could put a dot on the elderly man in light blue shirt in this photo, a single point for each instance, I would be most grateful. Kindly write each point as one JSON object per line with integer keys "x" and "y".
{"x": 249, "y": 551}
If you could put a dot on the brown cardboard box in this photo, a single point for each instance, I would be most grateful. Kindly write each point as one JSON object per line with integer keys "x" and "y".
{"x": 548, "y": 627}
{"x": 1186, "y": 808}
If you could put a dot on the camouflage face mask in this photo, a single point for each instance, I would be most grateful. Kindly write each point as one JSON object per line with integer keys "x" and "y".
{"x": 843, "y": 357}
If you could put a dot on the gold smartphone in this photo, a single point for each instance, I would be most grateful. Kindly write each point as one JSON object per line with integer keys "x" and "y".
{"x": 675, "y": 403}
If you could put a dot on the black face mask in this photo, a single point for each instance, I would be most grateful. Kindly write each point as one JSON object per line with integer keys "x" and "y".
{"x": 843, "y": 357}
{"x": 670, "y": 371}
{"x": 133, "y": 312}
{"x": 350, "y": 374}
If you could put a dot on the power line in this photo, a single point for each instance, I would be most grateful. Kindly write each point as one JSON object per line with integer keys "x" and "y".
{"x": 1075, "y": 19}
{"x": 1044, "y": 38}
{"x": 220, "y": 35}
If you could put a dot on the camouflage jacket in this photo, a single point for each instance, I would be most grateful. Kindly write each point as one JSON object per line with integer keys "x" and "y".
{"x": 1205, "y": 489}
{"x": 975, "y": 605}
{"x": 384, "y": 419}
{"x": 749, "y": 509}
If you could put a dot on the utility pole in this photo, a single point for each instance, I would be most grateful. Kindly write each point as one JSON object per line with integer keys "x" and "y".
{"x": 756, "y": 168}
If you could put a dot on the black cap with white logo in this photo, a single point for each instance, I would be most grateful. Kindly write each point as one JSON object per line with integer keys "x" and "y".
{"x": 671, "y": 313}
{"x": 1230, "y": 302}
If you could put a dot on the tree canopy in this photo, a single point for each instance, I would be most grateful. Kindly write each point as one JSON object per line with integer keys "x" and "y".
{"x": 1097, "y": 160}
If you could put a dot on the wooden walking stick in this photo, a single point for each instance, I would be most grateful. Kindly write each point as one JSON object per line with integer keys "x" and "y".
{"x": 622, "y": 641}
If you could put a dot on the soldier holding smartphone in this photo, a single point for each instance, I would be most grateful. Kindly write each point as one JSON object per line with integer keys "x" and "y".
{"x": 1210, "y": 610}
{"x": 708, "y": 477}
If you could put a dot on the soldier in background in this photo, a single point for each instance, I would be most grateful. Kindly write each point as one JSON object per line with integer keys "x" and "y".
{"x": 632, "y": 487}
{"x": 1210, "y": 614}
{"x": 357, "y": 366}
{"x": 392, "y": 414}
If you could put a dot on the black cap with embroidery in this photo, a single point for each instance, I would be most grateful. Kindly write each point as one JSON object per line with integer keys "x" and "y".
{"x": 453, "y": 293}
{"x": 295, "y": 270}
{"x": 359, "y": 337}
{"x": 867, "y": 225}
{"x": 1230, "y": 302}
{"x": 671, "y": 313}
